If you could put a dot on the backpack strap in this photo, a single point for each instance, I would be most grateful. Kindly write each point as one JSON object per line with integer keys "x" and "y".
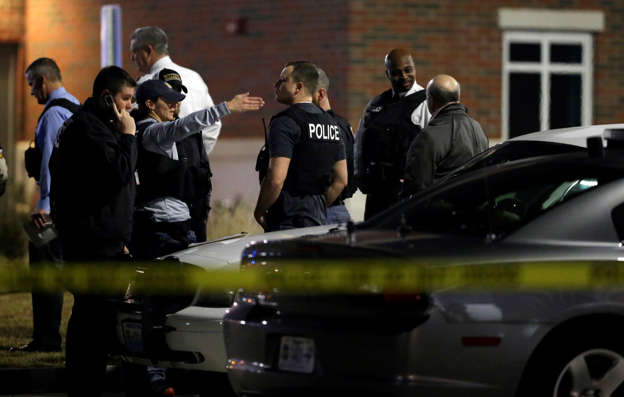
{"x": 62, "y": 102}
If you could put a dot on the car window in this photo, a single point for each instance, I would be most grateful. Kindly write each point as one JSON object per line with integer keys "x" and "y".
{"x": 617, "y": 216}
{"x": 496, "y": 205}
{"x": 511, "y": 151}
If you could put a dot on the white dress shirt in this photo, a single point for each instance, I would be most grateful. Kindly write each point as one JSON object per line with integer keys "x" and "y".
{"x": 197, "y": 97}
{"x": 420, "y": 115}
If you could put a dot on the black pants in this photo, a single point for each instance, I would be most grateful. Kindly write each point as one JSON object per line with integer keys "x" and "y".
{"x": 378, "y": 202}
{"x": 154, "y": 239}
{"x": 47, "y": 306}
{"x": 91, "y": 334}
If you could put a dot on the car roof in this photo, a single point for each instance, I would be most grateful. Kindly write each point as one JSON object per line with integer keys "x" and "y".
{"x": 576, "y": 136}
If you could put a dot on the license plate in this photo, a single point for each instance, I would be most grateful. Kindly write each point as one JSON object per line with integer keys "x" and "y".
{"x": 133, "y": 336}
{"x": 296, "y": 354}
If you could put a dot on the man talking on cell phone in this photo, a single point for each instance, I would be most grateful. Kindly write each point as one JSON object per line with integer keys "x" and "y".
{"x": 93, "y": 192}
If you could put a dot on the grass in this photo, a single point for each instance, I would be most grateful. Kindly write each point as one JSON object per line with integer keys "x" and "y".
{"x": 16, "y": 308}
{"x": 226, "y": 220}
{"x": 16, "y": 330}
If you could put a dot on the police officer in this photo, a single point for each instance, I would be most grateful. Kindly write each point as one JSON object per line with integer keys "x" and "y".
{"x": 307, "y": 166}
{"x": 390, "y": 122}
{"x": 337, "y": 212}
{"x": 170, "y": 181}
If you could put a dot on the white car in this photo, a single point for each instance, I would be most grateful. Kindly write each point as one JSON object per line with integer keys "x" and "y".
{"x": 186, "y": 331}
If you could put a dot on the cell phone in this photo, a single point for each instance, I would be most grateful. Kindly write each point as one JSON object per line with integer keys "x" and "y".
{"x": 109, "y": 101}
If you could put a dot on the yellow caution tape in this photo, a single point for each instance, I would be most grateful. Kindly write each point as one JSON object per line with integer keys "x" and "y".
{"x": 316, "y": 276}
{"x": 393, "y": 275}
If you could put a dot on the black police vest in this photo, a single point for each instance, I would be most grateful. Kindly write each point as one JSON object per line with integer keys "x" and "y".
{"x": 187, "y": 179}
{"x": 387, "y": 134}
{"x": 310, "y": 169}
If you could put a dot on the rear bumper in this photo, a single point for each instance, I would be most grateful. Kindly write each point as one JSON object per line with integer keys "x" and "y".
{"x": 191, "y": 338}
{"x": 367, "y": 362}
{"x": 352, "y": 356}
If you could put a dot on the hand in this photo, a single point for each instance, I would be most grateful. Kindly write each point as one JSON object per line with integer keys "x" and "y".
{"x": 244, "y": 103}
{"x": 125, "y": 122}
{"x": 39, "y": 217}
{"x": 261, "y": 218}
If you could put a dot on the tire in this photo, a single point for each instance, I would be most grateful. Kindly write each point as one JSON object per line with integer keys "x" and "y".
{"x": 584, "y": 365}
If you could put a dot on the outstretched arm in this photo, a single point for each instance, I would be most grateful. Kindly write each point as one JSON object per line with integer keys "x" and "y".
{"x": 244, "y": 103}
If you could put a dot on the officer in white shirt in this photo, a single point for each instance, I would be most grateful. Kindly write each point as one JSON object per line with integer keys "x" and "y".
{"x": 150, "y": 53}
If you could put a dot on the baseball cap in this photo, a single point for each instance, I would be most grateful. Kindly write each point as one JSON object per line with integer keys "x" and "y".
{"x": 154, "y": 89}
{"x": 173, "y": 78}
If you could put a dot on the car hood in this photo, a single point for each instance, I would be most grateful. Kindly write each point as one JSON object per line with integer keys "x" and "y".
{"x": 225, "y": 253}
{"x": 364, "y": 244}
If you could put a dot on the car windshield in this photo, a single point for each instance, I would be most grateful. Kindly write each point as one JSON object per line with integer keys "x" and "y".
{"x": 497, "y": 204}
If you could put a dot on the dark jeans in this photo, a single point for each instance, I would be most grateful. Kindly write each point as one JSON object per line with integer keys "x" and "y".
{"x": 338, "y": 214}
{"x": 47, "y": 306}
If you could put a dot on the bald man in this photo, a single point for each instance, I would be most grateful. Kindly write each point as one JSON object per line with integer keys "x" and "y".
{"x": 451, "y": 138}
{"x": 390, "y": 122}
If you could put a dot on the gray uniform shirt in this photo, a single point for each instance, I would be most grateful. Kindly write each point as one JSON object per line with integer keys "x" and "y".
{"x": 161, "y": 138}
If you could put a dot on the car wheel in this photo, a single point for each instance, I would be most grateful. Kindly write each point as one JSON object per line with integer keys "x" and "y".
{"x": 595, "y": 372}
{"x": 588, "y": 365}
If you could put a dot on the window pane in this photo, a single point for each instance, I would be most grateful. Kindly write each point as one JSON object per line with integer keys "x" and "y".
{"x": 566, "y": 53}
{"x": 524, "y": 103}
{"x": 525, "y": 52}
{"x": 565, "y": 100}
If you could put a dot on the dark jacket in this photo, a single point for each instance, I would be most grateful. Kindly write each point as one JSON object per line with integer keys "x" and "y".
{"x": 93, "y": 186}
{"x": 451, "y": 139}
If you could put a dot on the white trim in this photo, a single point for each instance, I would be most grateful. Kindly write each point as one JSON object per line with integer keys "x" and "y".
{"x": 545, "y": 68}
{"x": 542, "y": 19}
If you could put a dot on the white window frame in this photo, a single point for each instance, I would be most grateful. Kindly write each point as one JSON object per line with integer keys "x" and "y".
{"x": 545, "y": 68}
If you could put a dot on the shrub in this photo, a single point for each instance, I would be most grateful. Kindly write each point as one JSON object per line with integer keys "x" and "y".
{"x": 227, "y": 218}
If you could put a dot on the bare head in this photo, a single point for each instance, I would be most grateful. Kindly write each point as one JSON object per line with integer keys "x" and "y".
{"x": 442, "y": 90}
{"x": 298, "y": 81}
{"x": 147, "y": 45}
{"x": 320, "y": 96}
{"x": 43, "y": 77}
{"x": 400, "y": 69}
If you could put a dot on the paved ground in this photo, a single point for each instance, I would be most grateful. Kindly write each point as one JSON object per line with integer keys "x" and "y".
{"x": 50, "y": 382}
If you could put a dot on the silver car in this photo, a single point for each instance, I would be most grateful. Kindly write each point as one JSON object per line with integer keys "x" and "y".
{"x": 186, "y": 331}
{"x": 451, "y": 342}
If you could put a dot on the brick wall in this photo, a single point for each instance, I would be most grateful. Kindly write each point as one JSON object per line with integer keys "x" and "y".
{"x": 277, "y": 31}
{"x": 462, "y": 38}
{"x": 347, "y": 38}
{"x": 12, "y": 20}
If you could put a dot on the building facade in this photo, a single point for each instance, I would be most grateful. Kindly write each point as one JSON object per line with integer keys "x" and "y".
{"x": 523, "y": 65}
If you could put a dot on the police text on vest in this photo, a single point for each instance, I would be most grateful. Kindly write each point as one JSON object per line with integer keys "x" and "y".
{"x": 324, "y": 131}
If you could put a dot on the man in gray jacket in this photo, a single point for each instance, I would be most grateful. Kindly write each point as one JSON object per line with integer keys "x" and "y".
{"x": 450, "y": 139}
